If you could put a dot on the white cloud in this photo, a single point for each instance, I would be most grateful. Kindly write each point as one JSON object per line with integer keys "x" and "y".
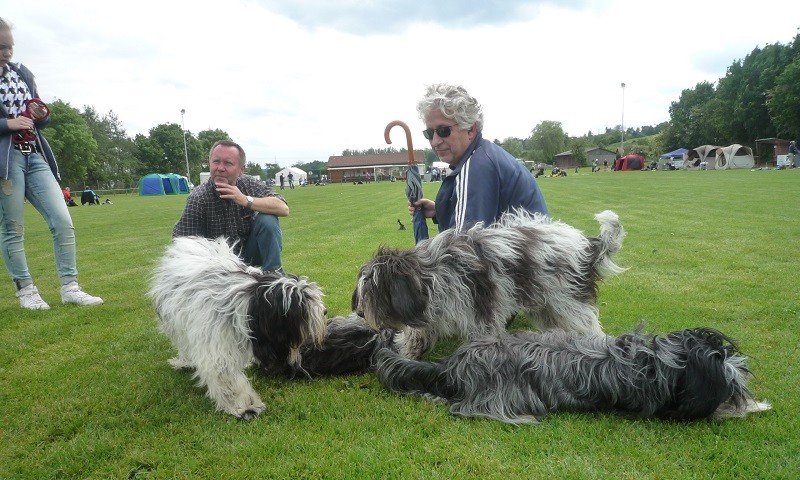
{"x": 299, "y": 81}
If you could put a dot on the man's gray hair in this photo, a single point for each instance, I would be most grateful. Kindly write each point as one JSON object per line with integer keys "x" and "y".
{"x": 453, "y": 102}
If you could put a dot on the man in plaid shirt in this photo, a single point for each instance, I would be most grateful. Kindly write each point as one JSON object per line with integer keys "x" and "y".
{"x": 236, "y": 206}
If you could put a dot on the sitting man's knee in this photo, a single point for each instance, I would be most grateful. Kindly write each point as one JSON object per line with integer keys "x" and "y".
{"x": 264, "y": 221}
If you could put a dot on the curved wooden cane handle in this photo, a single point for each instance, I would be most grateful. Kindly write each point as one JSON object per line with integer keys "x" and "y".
{"x": 411, "y": 159}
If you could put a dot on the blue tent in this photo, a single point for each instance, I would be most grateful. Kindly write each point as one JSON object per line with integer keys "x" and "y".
{"x": 179, "y": 183}
{"x": 679, "y": 153}
{"x": 157, "y": 184}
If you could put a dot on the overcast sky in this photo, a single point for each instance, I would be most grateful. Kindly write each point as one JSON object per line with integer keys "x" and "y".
{"x": 298, "y": 81}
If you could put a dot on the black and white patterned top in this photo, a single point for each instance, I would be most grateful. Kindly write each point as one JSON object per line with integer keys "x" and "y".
{"x": 207, "y": 215}
{"x": 14, "y": 92}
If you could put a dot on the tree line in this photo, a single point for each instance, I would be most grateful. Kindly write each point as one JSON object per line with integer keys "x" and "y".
{"x": 759, "y": 97}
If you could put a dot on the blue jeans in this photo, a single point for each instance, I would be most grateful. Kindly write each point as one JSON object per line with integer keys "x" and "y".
{"x": 263, "y": 246}
{"x": 30, "y": 177}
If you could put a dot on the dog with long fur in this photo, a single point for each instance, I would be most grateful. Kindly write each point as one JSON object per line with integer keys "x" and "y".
{"x": 348, "y": 348}
{"x": 472, "y": 282}
{"x": 521, "y": 377}
{"x": 222, "y": 315}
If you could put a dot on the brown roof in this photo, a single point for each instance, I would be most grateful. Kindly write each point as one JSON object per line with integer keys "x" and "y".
{"x": 379, "y": 160}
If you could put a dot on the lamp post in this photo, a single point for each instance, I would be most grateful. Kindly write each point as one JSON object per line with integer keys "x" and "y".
{"x": 622, "y": 124}
{"x": 185, "y": 151}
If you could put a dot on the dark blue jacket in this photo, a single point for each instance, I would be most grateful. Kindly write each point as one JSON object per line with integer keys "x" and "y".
{"x": 484, "y": 184}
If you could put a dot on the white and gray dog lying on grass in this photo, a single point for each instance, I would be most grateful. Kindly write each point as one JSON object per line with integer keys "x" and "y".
{"x": 222, "y": 315}
{"x": 470, "y": 283}
{"x": 521, "y": 377}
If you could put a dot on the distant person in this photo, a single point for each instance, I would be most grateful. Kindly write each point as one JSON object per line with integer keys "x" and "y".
{"x": 594, "y": 166}
{"x": 792, "y": 154}
{"x": 290, "y": 177}
{"x": 67, "y": 193}
{"x": 485, "y": 181}
{"x": 90, "y": 197}
{"x": 282, "y": 180}
{"x": 28, "y": 169}
{"x": 236, "y": 206}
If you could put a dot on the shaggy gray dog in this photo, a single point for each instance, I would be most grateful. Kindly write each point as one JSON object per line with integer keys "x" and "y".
{"x": 470, "y": 283}
{"x": 521, "y": 377}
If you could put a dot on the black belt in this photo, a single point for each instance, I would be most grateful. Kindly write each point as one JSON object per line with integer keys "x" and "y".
{"x": 27, "y": 147}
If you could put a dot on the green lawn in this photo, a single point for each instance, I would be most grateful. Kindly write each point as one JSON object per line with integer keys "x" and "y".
{"x": 87, "y": 392}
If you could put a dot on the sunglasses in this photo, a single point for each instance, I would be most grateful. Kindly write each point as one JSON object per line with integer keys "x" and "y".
{"x": 442, "y": 130}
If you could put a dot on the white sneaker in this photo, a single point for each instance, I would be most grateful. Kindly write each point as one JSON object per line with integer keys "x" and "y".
{"x": 29, "y": 298}
{"x": 72, "y": 293}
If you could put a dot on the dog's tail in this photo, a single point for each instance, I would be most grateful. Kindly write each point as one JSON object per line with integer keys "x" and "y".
{"x": 700, "y": 373}
{"x": 348, "y": 348}
{"x": 412, "y": 377}
{"x": 609, "y": 242}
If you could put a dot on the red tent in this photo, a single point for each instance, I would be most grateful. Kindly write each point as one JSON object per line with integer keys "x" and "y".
{"x": 631, "y": 161}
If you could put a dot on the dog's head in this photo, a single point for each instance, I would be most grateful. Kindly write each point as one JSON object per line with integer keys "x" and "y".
{"x": 286, "y": 312}
{"x": 391, "y": 292}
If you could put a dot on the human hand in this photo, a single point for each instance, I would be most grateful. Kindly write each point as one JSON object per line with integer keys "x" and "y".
{"x": 37, "y": 111}
{"x": 428, "y": 207}
{"x": 231, "y": 192}
{"x": 20, "y": 123}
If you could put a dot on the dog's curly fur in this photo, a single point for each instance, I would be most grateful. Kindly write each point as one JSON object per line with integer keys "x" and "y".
{"x": 221, "y": 315}
{"x": 521, "y": 377}
{"x": 472, "y": 282}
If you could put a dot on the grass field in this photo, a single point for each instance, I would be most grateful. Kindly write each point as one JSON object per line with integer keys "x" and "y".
{"x": 87, "y": 392}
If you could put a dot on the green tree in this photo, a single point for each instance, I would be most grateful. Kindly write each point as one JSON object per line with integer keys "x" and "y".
{"x": 72, "y": 143}
{"x": 205, "y": 139}
{"x": 514, "y": 146}
{"x": 687, "y": 116}
{"x": 270, "y": 169}
{"x": 116, "y": 167}
{"x": 784, "y": 101}
{"x": 254, "y": 170}
{"x": 163, "y": 151}
{"x": 578, "y": 147}
{"x": 547, "y": 140}
{"x": 314, "y": 169}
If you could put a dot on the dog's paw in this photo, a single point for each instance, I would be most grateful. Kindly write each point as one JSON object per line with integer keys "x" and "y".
{"x": 250, "y": 411}
{"x": 179, "y": 363}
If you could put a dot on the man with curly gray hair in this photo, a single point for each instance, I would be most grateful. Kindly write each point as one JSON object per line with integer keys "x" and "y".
{"x": 485, "y": 181}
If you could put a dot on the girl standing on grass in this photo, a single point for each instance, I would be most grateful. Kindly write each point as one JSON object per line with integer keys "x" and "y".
{"x": 28, "y": 170}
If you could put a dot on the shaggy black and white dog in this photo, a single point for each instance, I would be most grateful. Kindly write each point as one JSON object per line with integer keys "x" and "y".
{"x": 348, "y": 348}
{"x": 472, "y": 282}
{"x": 221, "y": 315}
{"x": 521, "y": 377}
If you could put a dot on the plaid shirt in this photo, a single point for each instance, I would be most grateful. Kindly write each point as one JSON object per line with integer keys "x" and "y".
{"x": 208, "y": 215}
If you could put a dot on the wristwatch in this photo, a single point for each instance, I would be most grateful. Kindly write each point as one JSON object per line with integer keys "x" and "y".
{"x": 249, "y": 201}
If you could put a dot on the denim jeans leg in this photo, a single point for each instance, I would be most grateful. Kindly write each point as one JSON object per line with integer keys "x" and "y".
{"x": 12, "y": 214}
{"x": 44, "y": 193}
{"x": 264, "y": 244}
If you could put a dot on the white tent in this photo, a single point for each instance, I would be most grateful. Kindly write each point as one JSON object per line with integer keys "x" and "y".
{"x": 735, "y": 156}
{"x": 702, "y": 156}
{"x": 298, "y": 176}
